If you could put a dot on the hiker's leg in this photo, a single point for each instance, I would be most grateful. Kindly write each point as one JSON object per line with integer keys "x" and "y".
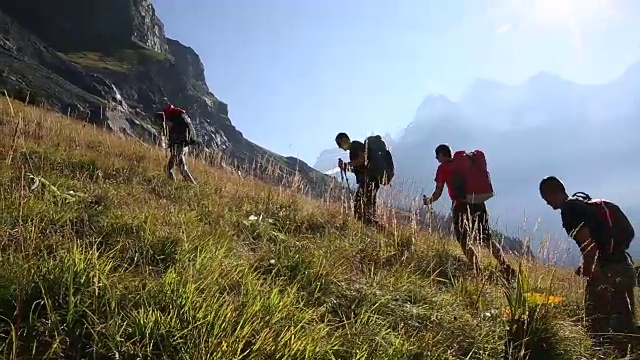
{"x": 182, "y": 163}
{"x": 371, "y": 192}
{"x": 482, "y": 230}
{"x": 461, "y": 228}
{"x": 172, "y": 162}
{"x": 596, "y": 305}
{"x": 358, "y": 202}
{"x": 481, "y": 216}
{"x": 620, "y": 278}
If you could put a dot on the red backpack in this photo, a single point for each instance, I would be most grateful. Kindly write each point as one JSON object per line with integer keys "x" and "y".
{"x": 617, "y": 225}
{"x": 471, "y": 178}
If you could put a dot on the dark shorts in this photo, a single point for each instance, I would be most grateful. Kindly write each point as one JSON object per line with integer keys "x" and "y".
{"x": 471, "y": 224}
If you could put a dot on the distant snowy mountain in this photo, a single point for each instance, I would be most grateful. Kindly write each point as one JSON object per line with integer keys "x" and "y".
{"x": 328, "y": 159}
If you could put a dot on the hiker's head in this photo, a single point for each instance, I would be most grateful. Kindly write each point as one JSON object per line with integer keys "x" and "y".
{"x": 553, "y": 192}
{"x": 443, "y": 153}
{"x": 165, "y": 102}
{"x": 343, "y": 141}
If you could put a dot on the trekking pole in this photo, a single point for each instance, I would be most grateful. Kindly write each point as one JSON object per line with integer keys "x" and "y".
{"x": 346, "y": 177}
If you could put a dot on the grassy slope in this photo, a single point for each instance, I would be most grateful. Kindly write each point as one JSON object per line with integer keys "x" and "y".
{"x": 140, "y": 267}
{"x": 122, "y": 61}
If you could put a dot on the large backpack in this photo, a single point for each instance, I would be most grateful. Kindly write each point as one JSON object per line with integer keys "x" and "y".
{"x": 380, "y": 165}
{"x": 617, "y": 225}
{"x": 471, "y": 179}
{"x": 181, "y": 129}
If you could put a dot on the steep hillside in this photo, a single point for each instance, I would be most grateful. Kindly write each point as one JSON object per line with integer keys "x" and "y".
{"x": 232, "y": 269}
{"x": 110, "y": 63}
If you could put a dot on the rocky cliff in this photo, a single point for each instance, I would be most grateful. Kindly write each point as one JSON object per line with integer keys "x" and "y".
{"x": 110, "y": 63}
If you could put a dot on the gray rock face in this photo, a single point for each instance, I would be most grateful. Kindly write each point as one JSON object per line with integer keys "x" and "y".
{"x": 81, "y": 25}
{"x": 147, "y": 29}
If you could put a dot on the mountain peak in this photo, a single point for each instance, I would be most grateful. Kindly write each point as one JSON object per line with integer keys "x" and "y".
{"x": 436, "y": 98}
{"x": 544, "y": 78}
{"x": 435, "y": 104}
{"x": 482, "y": 88}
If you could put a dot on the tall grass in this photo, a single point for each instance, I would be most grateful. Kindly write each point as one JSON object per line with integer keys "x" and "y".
{"x": 102, "y": 257}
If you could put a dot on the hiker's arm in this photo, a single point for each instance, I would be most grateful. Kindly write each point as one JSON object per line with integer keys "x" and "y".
{"x": 575, "y": 220}
{"x": 440, "y": 179}
{"x": 437, "y": 192}
{"x": 159, "y": 123}
{"x": 589, "y": 253}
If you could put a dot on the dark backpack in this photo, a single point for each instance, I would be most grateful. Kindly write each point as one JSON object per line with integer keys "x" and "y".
{"x": 182, "y": 130}
{"x": 380, "y": 165}
{"x": 617, "y": 225}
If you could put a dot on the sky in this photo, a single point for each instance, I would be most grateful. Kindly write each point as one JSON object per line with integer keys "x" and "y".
{"x": 295, "y": 73}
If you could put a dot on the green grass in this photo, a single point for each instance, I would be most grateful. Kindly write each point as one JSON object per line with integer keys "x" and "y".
{"x": 120, "y": 61}
{"x": 103, "y": 258}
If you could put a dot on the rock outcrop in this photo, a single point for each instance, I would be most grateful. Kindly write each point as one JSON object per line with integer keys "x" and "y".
{"x": 90, "y": 25}
{"x": 110, "y": 63}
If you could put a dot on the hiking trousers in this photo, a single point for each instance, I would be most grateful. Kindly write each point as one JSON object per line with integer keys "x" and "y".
{"x": 365, "y": 199}
{"x": 178, "y": 153}
{"x": 610, "y": 306}
{"x": 471, "y": 224}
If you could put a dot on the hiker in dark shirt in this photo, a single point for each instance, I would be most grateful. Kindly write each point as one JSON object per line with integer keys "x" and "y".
{"x": 181, "y": 134}
{"x": 602, "y": 239}
{"x": 366, "y": 196}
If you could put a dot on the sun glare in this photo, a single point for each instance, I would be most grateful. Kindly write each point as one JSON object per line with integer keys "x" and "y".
{"x": 577, "y": 18}
{"x": 555, "y": 14}
{"x": 554, "y": 11}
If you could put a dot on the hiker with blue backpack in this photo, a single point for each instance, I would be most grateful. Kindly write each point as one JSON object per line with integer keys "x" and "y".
{"x": 372, "y": 164}
{"x": 603, "y": 234}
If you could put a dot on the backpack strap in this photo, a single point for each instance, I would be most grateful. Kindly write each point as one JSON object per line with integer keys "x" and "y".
{"x": 582, "y": 196}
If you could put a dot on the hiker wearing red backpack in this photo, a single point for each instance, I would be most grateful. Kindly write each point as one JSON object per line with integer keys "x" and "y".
{"x": 469, "y": 186}
{"x": 603, "y": 234}
{"x": 181, "y": 134}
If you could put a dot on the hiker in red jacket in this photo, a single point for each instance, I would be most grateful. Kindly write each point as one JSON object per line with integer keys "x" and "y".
{"x": 470, "y": 217}
{"x": 181, "y": 134}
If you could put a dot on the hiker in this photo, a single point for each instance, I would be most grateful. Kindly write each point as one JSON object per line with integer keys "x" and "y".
{"x": 469, "y": 187}
{"x": 372, "y": 165}
{"x": 603, "y": 234}
{"x": 181, "y": 134}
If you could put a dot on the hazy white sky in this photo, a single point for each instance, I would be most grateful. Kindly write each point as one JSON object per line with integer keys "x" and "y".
{"x": 295, "y": 73}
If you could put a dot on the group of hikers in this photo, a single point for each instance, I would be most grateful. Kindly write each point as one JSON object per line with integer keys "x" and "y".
{"x": 599, "y": 227}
